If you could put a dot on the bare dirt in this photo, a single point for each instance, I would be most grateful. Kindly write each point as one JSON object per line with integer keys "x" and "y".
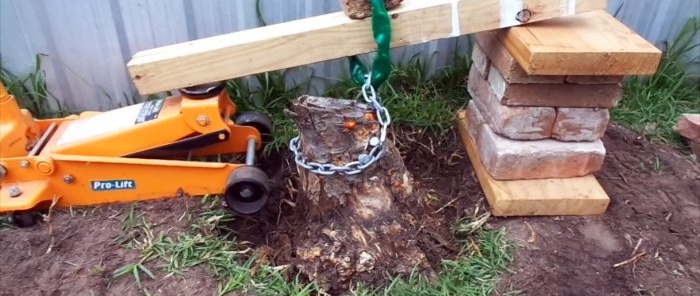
{"x": 654, "y": 219}
{"x": 654, "y": 216}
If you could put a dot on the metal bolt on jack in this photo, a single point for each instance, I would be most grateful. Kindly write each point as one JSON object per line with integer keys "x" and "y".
{"x": 15, "y": 191}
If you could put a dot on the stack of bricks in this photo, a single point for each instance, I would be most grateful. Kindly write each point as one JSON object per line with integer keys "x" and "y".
{"x": 536, "y": 126}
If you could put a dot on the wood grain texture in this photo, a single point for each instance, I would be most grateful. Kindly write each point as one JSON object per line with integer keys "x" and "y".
{"x": 591, "y": 43}
{"x": 504, "y": 62}
{"x": 579, "y": 196}
{"x": 325, "y": 37}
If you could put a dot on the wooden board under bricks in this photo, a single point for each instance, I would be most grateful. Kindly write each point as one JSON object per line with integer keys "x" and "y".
{"x": 522, "y": 123}
{"x": 592, "y": 43}
{"x": 506, "y": 159}
{"x": 544, "y": 197}
{"x": 555, "y": 94}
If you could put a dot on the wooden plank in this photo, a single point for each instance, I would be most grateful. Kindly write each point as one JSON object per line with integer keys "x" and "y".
{"x": 330, "y": 36}
{"x": 543, "y": 197}
{"x": 591, "y": 43}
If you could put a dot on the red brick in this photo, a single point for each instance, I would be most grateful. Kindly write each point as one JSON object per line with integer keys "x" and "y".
{"x": 522, "y": 123}
{"x": 480, "y": 61}
{"x": 506, "y": 159}
{"x": 502, "y": 60}
{"x": 580, "y": 124}
{"x": 555, "y": 94}
{"x": 597, "y": 79}
{"x": 688, "y": 126}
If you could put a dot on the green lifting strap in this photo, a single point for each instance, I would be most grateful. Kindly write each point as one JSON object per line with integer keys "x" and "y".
{"x": 381, "y": 68}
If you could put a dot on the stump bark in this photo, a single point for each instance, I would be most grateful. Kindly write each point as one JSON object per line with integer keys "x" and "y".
{"x": 360, "y": 9}
{"x": 357, "y": 228}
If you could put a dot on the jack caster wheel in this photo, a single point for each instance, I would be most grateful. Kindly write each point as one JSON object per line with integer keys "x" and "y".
{"x": 246, "y": 190}
{"x": 24, "y": 218}
{"x": 260, "y": 121}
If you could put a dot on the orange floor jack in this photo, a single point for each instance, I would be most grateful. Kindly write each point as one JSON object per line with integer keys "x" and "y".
{"x": 140, "y": 152}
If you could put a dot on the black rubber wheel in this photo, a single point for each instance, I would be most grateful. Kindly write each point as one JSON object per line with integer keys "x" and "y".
{"x": 24, "y": 218}
{"x": 260, "y": 121}
{"x": 203, "y": 91}
{"x": 246, "y": 190}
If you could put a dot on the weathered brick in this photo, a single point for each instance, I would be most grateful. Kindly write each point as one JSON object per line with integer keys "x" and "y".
{"x": 506, "y": 159}
{"x": 475, "y": 119}
{"x": 580, "y": 124}
{"x": 595, "y": 79}
{"x": 522, "y": 123}
{"x": 480, "y": 61}
{"x": 502, "y": 60}
{"x": 555, "y": 94}
{"x": 688, "y": 126}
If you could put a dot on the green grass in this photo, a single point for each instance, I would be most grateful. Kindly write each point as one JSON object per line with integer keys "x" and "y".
{"x": 31, "y": 92}
{"x": 269, "y": 93}
{"x": 474, "y": 272}
{"x": 205, "y": 243}
{"x": 484, "y": 256}
{"x": 651, "y": 105}
{"x": 135, "y": 270}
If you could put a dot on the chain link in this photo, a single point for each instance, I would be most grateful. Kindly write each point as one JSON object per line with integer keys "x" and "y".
{"x": 364, "y": 160}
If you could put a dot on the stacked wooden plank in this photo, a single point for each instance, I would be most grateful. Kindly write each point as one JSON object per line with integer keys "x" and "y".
{"x": 331, "y": 36}
{"x": 541, "y": 100}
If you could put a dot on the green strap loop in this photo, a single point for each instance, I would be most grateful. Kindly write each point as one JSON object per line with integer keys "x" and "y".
{"x": 382, "y": 66}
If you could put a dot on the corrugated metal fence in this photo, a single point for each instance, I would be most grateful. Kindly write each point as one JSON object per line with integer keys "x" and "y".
{"x": 84, "y": 45}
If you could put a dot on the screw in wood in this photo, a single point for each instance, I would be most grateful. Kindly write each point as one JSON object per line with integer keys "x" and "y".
{"x": 523, "y": 16}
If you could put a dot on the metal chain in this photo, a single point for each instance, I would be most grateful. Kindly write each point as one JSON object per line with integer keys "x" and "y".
{"x": 363, "y": 160}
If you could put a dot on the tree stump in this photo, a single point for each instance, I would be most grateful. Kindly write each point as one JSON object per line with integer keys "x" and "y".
{"x": 358, "y": 227}
{"x": 360, "y": 9}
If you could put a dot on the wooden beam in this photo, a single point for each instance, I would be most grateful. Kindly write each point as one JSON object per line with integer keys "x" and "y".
{"x": 542, "y": 197}
{"x": 330, "y": 36}
{"x": 592, "y": 43}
